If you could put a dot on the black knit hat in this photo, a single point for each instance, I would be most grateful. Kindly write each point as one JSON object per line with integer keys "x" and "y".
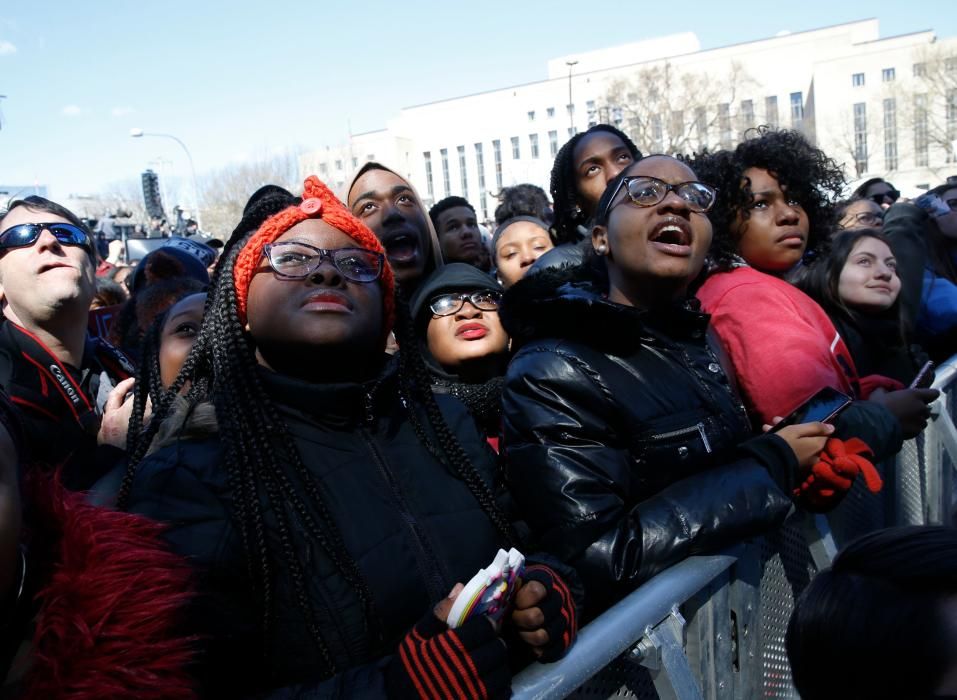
{"x": 453, "y": 277}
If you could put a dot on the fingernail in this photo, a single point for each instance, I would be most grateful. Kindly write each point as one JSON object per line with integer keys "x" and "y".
{"x": 456, "y": 589}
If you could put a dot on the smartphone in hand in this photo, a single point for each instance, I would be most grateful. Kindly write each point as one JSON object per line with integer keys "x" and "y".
{"x": 924, "y": 378}
{"x": 824, "y": 406}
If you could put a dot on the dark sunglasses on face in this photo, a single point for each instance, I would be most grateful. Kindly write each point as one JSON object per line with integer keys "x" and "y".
{"x": 448, "y": 304}
{"x": 892, "y": 195}
{"x": 24, "y": 235}
{"x": 299, "y": 260}
{"x": 647, "y": 191}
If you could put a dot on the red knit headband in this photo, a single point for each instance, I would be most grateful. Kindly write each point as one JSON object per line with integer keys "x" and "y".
{"x": 318, "y": 202}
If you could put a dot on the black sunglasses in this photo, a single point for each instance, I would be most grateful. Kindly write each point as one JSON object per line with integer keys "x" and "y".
{"x": 24, "y": 235}
{"x": 645, "y": 191}
{"x": 892, "y": 195}
{"x": 448, "y": 304}
{"x": 299, "y": 260}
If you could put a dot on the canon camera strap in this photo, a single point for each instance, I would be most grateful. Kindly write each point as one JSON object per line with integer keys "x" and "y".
{"x": 65, "y": 386}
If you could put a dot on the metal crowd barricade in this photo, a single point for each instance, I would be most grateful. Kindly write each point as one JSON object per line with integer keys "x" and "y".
{"x": 713, "y": 626}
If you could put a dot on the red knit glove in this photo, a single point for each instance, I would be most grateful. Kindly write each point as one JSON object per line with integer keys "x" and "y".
{"x": 435, "y": 662}
{"x": 831, "y": 477}
{"x": 558, "y": 619}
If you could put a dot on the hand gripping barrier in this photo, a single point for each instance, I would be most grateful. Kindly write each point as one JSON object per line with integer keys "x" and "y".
{"x": 713, "y": 626}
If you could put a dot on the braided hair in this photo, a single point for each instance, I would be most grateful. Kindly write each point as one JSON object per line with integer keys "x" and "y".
{"x": 266, "y": 472}
{"x": 806, "y": 172}
{"x": 568, "y": 215}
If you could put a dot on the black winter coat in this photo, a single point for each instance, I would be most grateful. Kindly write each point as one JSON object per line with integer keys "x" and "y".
{"x": 626, "y": 446}
{"x": 412, "y": 526}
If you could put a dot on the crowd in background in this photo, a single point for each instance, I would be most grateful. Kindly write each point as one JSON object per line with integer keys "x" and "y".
{"x": 265, "y": 468}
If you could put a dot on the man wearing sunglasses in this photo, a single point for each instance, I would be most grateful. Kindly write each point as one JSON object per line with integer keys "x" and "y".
{"x": 59, "y": 379}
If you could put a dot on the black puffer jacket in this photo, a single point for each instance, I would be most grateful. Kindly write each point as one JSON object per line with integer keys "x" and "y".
{"x": 412, "y": 526}
{"x": 626, "y": 446}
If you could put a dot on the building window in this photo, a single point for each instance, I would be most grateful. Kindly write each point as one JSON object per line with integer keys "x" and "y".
{"x": 890, "y": 134}
{"x": 427, "y": 156}
{"x": 338, "y": 165}
{"x": 724, "y": 124}
{"x": 771, "y": 111}
{"x": 797, "y": 110}
{"x": 921, "y": 140}
{"x": 446, "y": 184}
{"x": 950, "y": 64}
{"x": 480, "y": 166}
{"x": 747, "y": 116}
{"x": 550, "y": 112}
{"x": 888, "y": 75}
{"x": 571, "y": 110}
{"x": 355, "y": 162}
{"x": 533, "y": 142}
{"x": 857, "y": 80}
{"x": 657, "y": 134}
{"x": 323, "y": 169}
{"x": 572, "y": 130}
{"x": 860, "y": 138}
{"x": 463, "y": 172}
{"x": 677, "y": 126}
{"x": 531, "y": 115}
{"x": 497, "y": 154}
{"x": 553, "y": 143}
{"x": 951, "y": 124}
{"x": 701, "y": 126}
{"x": 592, "y": 113}
{"x": 516, "y": 149}
{"x": 920, "y": 70}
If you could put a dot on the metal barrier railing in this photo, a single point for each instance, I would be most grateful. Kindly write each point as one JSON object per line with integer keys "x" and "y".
{"x": 713, "y": 626}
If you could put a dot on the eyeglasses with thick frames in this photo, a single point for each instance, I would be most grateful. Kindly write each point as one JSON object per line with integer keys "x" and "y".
{"x": 294, "y": 260}
{"x": 23, "y": 235}
{"x": 645, "y": 191}
{"x": 448, "y": 304}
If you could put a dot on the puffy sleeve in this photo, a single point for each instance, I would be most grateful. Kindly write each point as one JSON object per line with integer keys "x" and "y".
{"x": 570, "y": 472}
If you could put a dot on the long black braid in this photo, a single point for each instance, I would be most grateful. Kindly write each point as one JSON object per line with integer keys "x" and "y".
{"x": 416, "y": 387}
{"x": 568, "y": 213}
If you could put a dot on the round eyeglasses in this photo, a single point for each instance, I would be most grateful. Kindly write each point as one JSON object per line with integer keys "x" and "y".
{"x": 294, "y": 260}
{"x": 645, "y": 191}
{"x": 448, "y": 304}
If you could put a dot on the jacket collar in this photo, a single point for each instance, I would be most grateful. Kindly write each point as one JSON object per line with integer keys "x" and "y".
{"x": 569, "y": 303}
{"x": 345, "y": 403}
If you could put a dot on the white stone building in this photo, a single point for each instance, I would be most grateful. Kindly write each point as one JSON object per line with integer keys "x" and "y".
{"x": 881, "y": 106}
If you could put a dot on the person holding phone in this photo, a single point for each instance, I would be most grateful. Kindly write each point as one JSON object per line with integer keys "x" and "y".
{"x": 771, "y": 218}
{"x": 858, "y": 287}
{"x": 626, "y": 446}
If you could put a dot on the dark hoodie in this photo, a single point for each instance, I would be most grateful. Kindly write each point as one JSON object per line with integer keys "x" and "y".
{"x": 482, "y": 399}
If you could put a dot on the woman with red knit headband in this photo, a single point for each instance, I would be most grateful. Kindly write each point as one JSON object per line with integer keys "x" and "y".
{"x": 326, "y": 498}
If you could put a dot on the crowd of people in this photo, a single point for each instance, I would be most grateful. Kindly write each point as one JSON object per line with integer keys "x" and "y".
{"x": 273, "y": 466}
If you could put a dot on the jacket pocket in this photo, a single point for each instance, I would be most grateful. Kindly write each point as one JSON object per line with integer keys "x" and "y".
{"x": 671, "y": 449}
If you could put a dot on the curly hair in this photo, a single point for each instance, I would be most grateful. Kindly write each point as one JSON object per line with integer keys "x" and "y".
{"x": 567, "y": 209}
{"x": 815, "y": 180}
{"x": 522, "y": 200}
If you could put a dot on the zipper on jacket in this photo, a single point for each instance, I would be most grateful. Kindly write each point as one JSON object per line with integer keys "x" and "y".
{"x": 428, "y": 564}
{"x": 699, "y": 428}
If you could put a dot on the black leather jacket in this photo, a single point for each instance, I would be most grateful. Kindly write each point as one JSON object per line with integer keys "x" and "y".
{"x": 627, "y": 447}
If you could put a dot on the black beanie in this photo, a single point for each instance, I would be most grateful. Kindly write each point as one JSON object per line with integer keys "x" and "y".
{"x": 453, "y": 277}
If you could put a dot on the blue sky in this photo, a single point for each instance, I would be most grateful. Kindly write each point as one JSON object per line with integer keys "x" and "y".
{"x": 242, "y": 79}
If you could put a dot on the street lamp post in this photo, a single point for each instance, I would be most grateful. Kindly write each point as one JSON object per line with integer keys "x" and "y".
{"x": 139, "y": 133}
{"x": 571, "y": 106}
